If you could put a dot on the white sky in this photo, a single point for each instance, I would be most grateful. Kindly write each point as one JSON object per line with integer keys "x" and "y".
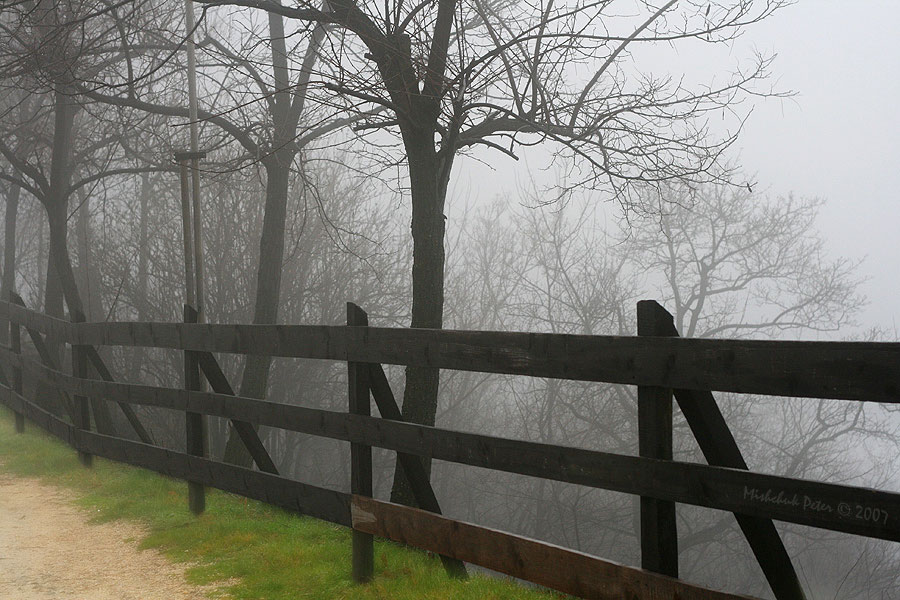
{"x": 837, "y": 139}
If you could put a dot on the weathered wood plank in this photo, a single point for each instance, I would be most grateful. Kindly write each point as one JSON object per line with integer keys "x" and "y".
{"x": 295, "y": 496}
{"x": 720, "y": 449}
{"x": 566, "y": 570}
{"x": 411, "y": 464}
{"x": 44, "y": 352}
{"x": 842, "y": 370}
{"x": 92, "y": 355}
{"x": 17, "y": 312}
{"x": 810, "y": 503}
{"x": 5, "y": 378}
{"x": 247, "y": 433}
{"x": 360, "y": 454}
{"x": 97, "y": 361}
{"x": 194, "y": 422}
{"x": 15, "y": 343}
{"x": 37, "y": 415}
{"x": 558, "y": 568}
{"x": 82, "y": 407}
{"x": 659, "y": 533}
{"x": 301, "y": 498}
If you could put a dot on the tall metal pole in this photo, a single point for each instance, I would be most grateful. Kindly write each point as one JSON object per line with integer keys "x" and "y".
{"x": 195, "y": 159}
{"x": 195, "y": 423}
{"x": 186, "y": 230}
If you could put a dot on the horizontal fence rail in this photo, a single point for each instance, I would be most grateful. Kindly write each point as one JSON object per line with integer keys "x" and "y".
{"x": 690, "y": 368}
{"x": 838, "y": 370}
{"x": 799, "y": 501}
{"x": 558, "y": 568}
{"x": 321, "y": 503}
{"x": 581, "y": 574}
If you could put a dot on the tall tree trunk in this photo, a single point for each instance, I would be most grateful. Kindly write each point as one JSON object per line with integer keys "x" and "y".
{"x": 56, "y": 204}
{"x": 255, "y": 379}
{"x": 288, "y": 105}
{"x": 89, "y": 289}
{"x": 140, "y": 301}
{"x": 428, "y": 176}
{"x": 7, "y": 286}
{"x": 53, "y": 295}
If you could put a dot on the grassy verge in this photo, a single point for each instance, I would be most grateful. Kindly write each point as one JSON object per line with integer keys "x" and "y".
{"x": 266, "y": 552}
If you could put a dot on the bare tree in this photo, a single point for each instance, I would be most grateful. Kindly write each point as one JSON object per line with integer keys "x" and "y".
{"x": 764, "y": 270}
{"x": 60, "y": 145}
{"x": 733, "y": 264}
{"x": 254, "y": 89}
{"x": 457, "y": 75}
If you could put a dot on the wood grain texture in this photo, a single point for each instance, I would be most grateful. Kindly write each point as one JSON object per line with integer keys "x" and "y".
{"x": 194, "y": 422}
{"x": 412, "y": 465}
{"x": 82, "y": 407}
{"x": 841, "y": 370}
{"x": 15, "y": 345}
{"x": 656, "y": 361}
{"x": 245, "y": 430}
{"x": 48, "y": 359}
{"x": 59, "y": 332}
{"x": 566, "y": 570}
{"x": 557, "y": 568}
{"x": 735, "y": 490}
{"x": 659, "y": 532}
{"x": 97, "y": 361}
{"x": 720, "y": 449}
{"x": 363, "y": 554}
{"x": 301, "y": 498}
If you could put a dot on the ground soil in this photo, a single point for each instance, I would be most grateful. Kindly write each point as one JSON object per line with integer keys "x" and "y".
{"x": 49, "y": 550}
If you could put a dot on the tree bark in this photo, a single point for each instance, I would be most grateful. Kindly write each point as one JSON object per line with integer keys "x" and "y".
{"x": 255, "y": 379}
{"x": 56, "y": 205}
{"x": 53, "y": 296}
{"x": 140, "y": 300}
{"x": 8, "y": 283}
{"x": 428, "y": 175}
{"x": 287, "y": 108}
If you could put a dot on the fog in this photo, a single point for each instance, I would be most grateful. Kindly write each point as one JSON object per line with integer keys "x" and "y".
{"x": 735, "y": 161}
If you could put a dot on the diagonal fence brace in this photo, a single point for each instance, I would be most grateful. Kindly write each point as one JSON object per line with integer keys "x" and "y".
{"x": 721, "y": 450}
{"x": 411, "y": 464}
{"x": 97, "y": 361}
{"x": 47, "y": 358}
{"x": 99, "y": 365}
{"x": 248, "y": 434}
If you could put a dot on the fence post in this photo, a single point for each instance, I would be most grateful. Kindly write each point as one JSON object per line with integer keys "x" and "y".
{"x": 659, "y": 535}
{"x": 195, "y": 423}
{"x": 360, "y": 454}
{"x": 82, "y": 407}
{"x": 15, "y": 343}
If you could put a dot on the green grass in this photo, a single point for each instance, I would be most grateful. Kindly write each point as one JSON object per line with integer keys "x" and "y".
{"x": 261, "y": 551}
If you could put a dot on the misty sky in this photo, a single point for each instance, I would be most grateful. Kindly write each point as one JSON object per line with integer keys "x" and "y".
{"x": 838, "y": 138}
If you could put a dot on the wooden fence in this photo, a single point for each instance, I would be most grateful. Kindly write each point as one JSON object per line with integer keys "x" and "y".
{"x": 660, "y": 363}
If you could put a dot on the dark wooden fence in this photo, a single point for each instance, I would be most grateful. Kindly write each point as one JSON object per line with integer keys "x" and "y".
{"x": 660, "y": 363}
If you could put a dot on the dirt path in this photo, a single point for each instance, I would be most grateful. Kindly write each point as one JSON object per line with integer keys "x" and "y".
{"x": 49, "y": 551}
